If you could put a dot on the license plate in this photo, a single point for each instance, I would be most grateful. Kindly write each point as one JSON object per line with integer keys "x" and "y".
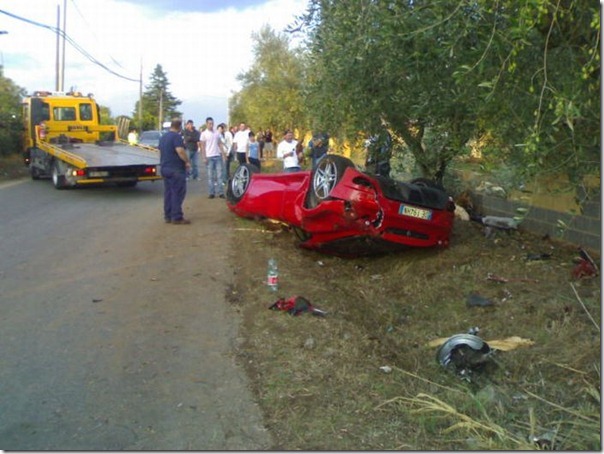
{"x": 97, "y": 174}
{"x": 414, "y": 212}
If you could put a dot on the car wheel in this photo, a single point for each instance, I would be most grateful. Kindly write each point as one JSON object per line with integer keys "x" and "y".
{"x": 240, "y": 181}
{"x": 326, "y": 175}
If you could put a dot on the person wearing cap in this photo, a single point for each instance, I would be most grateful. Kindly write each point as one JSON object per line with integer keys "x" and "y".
{"x": 191, "y": 138}
{"x": 287, "y": 150}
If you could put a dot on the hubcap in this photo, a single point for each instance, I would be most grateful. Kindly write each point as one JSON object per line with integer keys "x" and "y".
{"x": 240, "y": 181}
{"x": 325, "y": 179}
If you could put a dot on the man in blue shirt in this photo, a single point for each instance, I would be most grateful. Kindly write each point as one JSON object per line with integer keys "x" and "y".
{"x": 175, "y": 163}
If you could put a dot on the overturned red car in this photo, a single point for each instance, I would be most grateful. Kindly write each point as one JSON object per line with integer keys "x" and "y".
{"x": 338, "y": 209}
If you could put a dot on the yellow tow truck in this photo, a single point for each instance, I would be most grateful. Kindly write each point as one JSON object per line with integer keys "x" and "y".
{"x": 64, "y": 140}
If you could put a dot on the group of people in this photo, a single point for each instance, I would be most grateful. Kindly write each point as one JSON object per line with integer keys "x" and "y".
{"x": 180, "y": 151}
{"x": 219, "y": 146}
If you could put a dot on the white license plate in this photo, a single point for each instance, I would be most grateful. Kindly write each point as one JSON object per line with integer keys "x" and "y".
{"x": 97, "y": 174}
{"x": 415, "y": 212}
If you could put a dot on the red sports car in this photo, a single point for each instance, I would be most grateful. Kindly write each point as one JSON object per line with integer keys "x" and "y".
{"x": 338, "y": 209}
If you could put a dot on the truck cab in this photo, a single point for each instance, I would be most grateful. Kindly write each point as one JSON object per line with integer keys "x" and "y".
{"x": 63, "y": 139}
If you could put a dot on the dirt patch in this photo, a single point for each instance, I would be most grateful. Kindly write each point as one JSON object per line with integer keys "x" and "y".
{"x": 364, "y": 377}
{"x": 12, "y": 167}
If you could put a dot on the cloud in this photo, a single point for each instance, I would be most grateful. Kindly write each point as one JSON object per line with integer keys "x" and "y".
{"x": 202, "y": 51}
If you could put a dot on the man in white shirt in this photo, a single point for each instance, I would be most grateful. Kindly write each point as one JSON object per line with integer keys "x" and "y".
{"x": 211, "y": 150}
{"x": 240, "y": 142}
{"x": 286, "y": 150}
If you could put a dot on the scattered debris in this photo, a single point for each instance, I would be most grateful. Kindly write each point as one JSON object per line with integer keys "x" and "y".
{"x": 464, "y": 352}
{"x": 538, "y": 256}
{"x": 296, "y": 305}
{"x": 510, "y": 343}
{"x": 504, "y": 280}
{"x": 497, "y": 222}
{"x": 504, "y": 345}
{"x": 309, "y": 343}
{"x": 546, "y": 441}
{"x": 476, "y": 300}
{"x": 461, "y": 213}
{"x": 586, "y": 267}
{"x": 493, "y": 223}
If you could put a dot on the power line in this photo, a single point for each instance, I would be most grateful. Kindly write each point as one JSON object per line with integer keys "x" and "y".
{"x": 89, "y": 27}
{"x": 75, "y": 45}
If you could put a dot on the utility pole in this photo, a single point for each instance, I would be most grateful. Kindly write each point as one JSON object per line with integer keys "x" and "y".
{"x": 63, "y": 55}
{"x": 140, "y": 99}
{"x": 57, "y": 78}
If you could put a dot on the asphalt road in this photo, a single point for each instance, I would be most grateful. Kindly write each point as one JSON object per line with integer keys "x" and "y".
{"x": 115, "y": 332}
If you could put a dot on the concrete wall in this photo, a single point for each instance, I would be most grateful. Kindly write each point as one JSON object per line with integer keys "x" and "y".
{"x": 583, "y": 230}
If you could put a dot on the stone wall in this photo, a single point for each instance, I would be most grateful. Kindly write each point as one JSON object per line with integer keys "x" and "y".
{"x": 581, "y": 229}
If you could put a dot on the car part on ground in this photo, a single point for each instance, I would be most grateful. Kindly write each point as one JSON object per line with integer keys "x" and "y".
{"x": 463, "y": 352}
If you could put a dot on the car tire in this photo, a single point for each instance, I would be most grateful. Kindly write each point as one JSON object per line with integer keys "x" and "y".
{"x": 238, "y": 184}
{"x": 325, "y": 176}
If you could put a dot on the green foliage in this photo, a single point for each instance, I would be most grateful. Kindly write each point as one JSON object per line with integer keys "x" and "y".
{"x": 542, "y": 83}
{"x": 10, "y": 115}
{"x": 442, "y": 72}
{"x": 159, "y": 104}
{"x": 271, "y": 87}
{"x": 106, "y": 118}
{"x": 395, "y": 61}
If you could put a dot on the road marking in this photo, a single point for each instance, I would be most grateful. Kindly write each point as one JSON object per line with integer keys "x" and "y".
{"x": 12, "y": 183}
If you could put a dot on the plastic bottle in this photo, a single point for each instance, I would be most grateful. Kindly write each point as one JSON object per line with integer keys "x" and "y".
{"x": 273, "y": 275}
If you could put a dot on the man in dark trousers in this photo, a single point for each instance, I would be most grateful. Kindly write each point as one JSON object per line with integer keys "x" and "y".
{"x": 175, "y": 163}
{"x": 191, "y": 138}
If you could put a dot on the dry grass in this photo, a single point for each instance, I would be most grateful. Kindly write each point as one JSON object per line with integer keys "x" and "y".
{"x": 319, "y": 380}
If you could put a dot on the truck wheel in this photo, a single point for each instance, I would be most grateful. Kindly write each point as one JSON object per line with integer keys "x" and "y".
{"x": 58, "y": 179}
{"x": 34, "y": 172}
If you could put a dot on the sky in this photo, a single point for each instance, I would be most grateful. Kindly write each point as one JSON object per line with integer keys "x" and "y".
{"x": 202, "y": 45}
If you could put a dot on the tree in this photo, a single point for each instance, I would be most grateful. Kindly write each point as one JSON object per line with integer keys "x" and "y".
{"x": 542, "y": 83}
{"x": 10, "y": 115}
{"x": 158, "y": 103}
{"x": 394, "y": 62}
{"x": 440, "y": 72}
{"x": 271, "y": 89}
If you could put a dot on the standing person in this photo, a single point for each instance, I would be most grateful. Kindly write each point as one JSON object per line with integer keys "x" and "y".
{"x": 318, "y": 146}
{"x": 240, "y": 141}
{"x": 379, "y": 152}
{"x": 268, "y": 143}
{"x": 260, "y": 139}
{"x": 132, "y": 137}
{"x": 211, "y": 148}
{"x": 286, "y": 150}
{"x": 253, "y": 148}
{"x": 228, "y": 150}
{"x": 191, "y": 138}
{"x": 174, "y": 163}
